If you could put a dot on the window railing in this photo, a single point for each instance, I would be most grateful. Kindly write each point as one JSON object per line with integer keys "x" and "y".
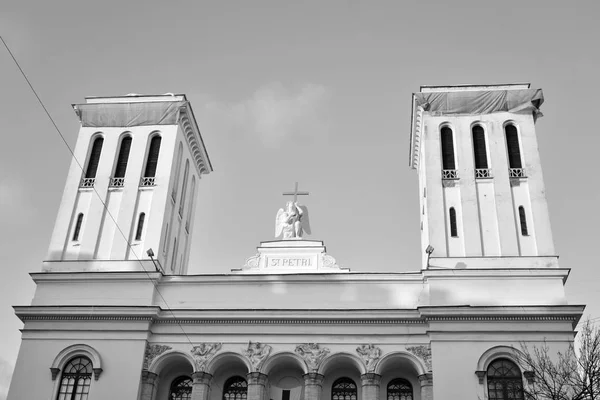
{"x": 482, "y": 173}
{"x": 449, "y": 174}
{"x": 87, "y": 182}
{"x": 147, "y": 181}
{"x": 117, "y": 182}
{"x": 516, "y": 173}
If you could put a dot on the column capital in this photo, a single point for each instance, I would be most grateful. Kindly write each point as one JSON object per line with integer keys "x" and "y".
{"x": 312, "y": 378}
{"x": 201, "y": 378}
{"x": 426, "y": 379}
{"x": 149, "y": 377}
{"x": 256, "y": 378}
{"x": 370, "y": 379}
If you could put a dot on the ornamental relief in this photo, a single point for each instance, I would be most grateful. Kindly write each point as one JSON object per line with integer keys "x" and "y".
{"x": 370, "y": 354}
{"x": 312, "y": 354}
{"x": 257, "y": 353}
{"x": 203, "y": 353}
{"x": 153, "y": 351}
{"x": 423, "y": 352}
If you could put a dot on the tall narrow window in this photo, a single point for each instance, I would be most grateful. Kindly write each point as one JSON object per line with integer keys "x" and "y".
{"x": 123, "y": 157}
{"x": 447, "y": 148}
{"x": 186, "y": 172}
{"x": 75, "y": 380}
{"x": 140, "y": 226}
{"x": 504, "y": 381}
{"x": 94, "y": 160}
{"x": 343, "y": 389}
{"x": 479, "y": 149}
{"x": 235, "y": 388}
{"x": 166, "y": 240}
{"x": 177, "y": 171}
{"x": 191, "y": 206}
{"x": 174, "y": 259}
{"x": 78, "y": 226}
{"x": 523, "y": 221}
{"x": 399, "y": 389}
{"x": 181, "y": 388}
{"x": 453, "y": 228}
{"x": 512, "y": 144}
{"x": 152, "y": 160}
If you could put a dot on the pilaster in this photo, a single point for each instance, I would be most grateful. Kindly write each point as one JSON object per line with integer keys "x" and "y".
{"x": 370, "y": 386}
{"x": 256, "y": 386}
{"x": 426, "y": 381}
{"x": 313, "y": 386}
{"x": 201, "y": 385}
{"x": 149, "y": 385}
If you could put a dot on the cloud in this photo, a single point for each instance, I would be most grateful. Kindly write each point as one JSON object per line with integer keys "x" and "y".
{"x": 6, "y": 370}
{"x": 274, "y": 113}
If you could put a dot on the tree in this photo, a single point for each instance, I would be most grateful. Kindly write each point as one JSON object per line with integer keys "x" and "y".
{"x": 571, "y": 375}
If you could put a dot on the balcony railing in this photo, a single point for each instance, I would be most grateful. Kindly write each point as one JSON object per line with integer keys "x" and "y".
{"x": 483, "y": 173}
{"x": 117, "y": 182}
{"x": 87, "y": 182}
{"x": 147, "y": 181}
{"x": 517, "y": 173}
{"x": 449, "y": 174}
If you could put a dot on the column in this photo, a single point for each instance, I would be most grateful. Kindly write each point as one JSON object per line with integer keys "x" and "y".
{"x": 201, "y": 385}
{"x": 256, "y": 386}
{"x": 149, "y": 385}
{"x": 426, "y": 381}
{"x": 370, "y": 386}
{"x": 313, "y": 385}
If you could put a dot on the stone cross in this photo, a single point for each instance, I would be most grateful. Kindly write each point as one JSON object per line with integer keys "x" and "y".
{"x": 296, "y": 193}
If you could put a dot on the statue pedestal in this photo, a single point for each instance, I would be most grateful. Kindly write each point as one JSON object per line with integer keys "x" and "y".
{"x": 291, "y": 257}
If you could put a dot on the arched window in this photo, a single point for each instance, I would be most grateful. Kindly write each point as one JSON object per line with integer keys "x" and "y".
{"x": 523, "y": 221}
{"x": 447, "y": 148}
{"x": 399, "y": 389}
{"x": 177, "y": 171}
{"x": 512, "y": 144}
{"x": 186, "y": 172}
{"x": 76, "y": 379}
{"x": 123, "y": 157}
{"x": 479, "y": 148}
{"x": 174, "y": 259}
{"x": 152, "y": 160}
{"x": 504, "y": 380}
{"x": 94, "y": 160}
{"x": 140, "y": 226}
{"x": 181, "y": 389}
{"x": 453, "y": 227}
{"x": 343, "y": 389}
{"x": 191, "y": 206}
{"x": 236, "y": 388}
{"x": 78, "y": 226}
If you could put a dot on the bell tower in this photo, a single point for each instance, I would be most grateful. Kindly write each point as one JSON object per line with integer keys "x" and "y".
{"x": 481, "y": 188}
{"x": 131, "y": 186}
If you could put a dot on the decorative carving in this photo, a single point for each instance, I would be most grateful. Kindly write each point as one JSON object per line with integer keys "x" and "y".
{"x": 252, "y": 262}
{"x": 328, "y": 261}
{"x": 530, "y": 376}
{"x": 257, "y": 352}
{"x": 153, "y": 351}
{"x": 423, "y": 352}
{"x": 370, "y": 354}
{"x": 481, "y": 376}
{"x": 204, "y": 352}
{"x": 54, "y": 372}
{"x": 97, "y": 372}
{"x": 312, "y": 354}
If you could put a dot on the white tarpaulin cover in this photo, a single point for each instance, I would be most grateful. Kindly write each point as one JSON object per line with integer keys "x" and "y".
{"x": 129, "y": 114}
{"x": 481, "y": 102}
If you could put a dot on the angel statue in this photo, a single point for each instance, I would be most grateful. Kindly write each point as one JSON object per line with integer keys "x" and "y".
{"x": 292, "y": 222}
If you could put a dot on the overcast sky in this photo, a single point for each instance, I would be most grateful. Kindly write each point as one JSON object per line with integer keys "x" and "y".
{"x": 316, "y": 92}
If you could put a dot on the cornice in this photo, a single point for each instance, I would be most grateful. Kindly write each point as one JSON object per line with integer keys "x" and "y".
{"x": 135, "y": 276}
{"x": 290, "y": 321}
{"x": 190, "y": 130}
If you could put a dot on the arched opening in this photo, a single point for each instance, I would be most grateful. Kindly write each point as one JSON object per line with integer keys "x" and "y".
{"x": 399, "y": 389}
{"x": 447, "y": 148}
{"x": 174, "y": 370}
{"x": 94, "y": 159}
{"x": 123, "y": 157}
{"x": 523, "y": 221}
{"x": 186, "y": 173}
{"x": 181, "y": 388}
{"x": 140, "y": 226}
{"x": 344, "y": 389}
{"x": 188, "y": 220}
{"x": 235, "y": 388}
{"x": 76, "y": 379}
{"x": 285, "y": 371}
{"x": 152, "y": 160}
{"x": 77, "y": 229}
{"x": 177, "y": 170}
{"x": 504, "y": 380}
{"x": 512, "y": 144}
{"x": 479, "y": 147}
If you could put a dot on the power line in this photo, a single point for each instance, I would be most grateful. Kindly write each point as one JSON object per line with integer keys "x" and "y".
{"x": 95, "y": 191}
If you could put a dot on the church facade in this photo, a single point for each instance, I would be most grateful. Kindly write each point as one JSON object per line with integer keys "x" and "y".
{"x": 115, "y": 314}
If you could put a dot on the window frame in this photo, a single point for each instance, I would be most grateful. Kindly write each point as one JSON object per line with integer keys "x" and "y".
{"x": 453, "y": 222}
{"x": 139, "y": 232}
{"x": 335, "y": 392}
{"x": 178, "y": 380}
{"x": 401, "y": 396}
{"x": 486, "y": 150}
{"x": 519, "y": 144}
{"x": 234, "y": 380}
{"x": 153, "y": 136}
{"x": 124, "y": 136}
{"x": 454, "y": 160}
{"x": 87, "y": 379}
{"x": 503, "y": 379}
{"x": 95, "y": 137}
